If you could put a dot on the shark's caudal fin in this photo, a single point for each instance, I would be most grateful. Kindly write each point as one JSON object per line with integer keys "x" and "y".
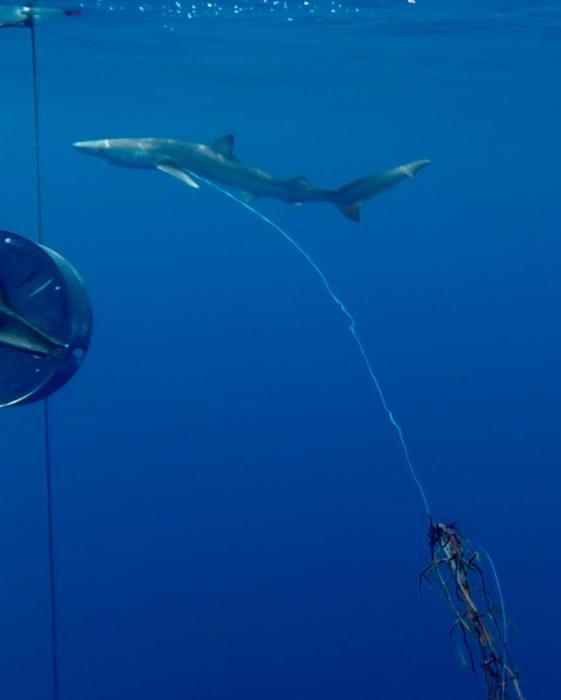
{"x": 350, "y": 198}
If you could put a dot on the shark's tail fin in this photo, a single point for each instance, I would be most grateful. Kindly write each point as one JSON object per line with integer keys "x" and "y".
{"x": 350, "y": 197}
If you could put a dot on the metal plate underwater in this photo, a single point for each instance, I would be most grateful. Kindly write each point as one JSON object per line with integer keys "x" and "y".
{"x": 45, "y": 320}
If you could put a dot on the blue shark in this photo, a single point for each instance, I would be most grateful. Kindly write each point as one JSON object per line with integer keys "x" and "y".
{"x": 217, "y": 163}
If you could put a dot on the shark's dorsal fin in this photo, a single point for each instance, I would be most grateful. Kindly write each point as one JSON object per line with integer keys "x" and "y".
{"x": 179, "y": 174}
{"x": 301, "y": 181}
{"x": 225, "y": 147}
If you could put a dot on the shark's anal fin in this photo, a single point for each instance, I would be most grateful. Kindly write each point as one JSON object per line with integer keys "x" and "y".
{"x": 225, "y": 147}
{"x": 179, "y": 174}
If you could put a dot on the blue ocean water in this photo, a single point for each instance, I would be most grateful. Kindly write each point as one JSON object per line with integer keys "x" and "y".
{"x": 233, "y": 515}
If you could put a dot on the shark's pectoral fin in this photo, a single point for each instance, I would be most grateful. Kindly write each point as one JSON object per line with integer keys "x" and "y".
{"x": 179, "y": 174}
{"x": 248, "y": 197}
{"x": 225, "y": 147}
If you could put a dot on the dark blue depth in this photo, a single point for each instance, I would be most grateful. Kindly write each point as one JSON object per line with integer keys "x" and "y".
{"x": 233, "y": 516}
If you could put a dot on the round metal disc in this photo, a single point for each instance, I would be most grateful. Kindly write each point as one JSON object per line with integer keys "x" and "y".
{"x": 45, "y": 320}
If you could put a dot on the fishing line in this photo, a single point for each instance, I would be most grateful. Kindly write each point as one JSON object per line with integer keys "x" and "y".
{"x": 352, "y": 329}
{"x": 46, "y": 417}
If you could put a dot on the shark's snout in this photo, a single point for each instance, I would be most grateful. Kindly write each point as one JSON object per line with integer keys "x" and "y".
{"x": 92, "y": 147}
{"x": 131, "y": 153}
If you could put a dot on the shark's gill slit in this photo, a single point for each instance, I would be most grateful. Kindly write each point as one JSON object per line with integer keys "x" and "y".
{"x": 352, "y": 329}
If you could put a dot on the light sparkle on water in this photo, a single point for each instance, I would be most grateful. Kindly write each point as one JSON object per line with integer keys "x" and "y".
{"x": 291, "y": 10}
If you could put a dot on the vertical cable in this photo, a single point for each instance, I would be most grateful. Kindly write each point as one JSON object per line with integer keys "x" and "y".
{"x": 36, "y": 133}
{"x": 45, "y": 412}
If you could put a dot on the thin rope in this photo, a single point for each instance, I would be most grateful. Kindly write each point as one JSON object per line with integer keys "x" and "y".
{"x": 352, "y": 330}
{"x": 36, "y": 133}
{"x": 46, "y": 421}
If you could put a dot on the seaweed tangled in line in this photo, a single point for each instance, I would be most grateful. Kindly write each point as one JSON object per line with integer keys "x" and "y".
{"x": 455, "y": 567}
